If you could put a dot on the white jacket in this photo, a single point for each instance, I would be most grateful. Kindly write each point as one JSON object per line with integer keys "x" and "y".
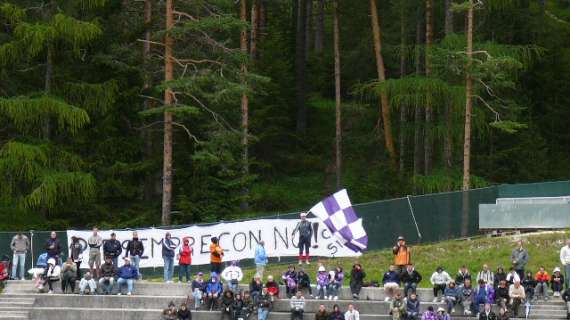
{"x": 232, "y": 273}
{"x": 565, "y": 255}
{"x": 54, "y": 272}
{"x": 354, "y": 315}
{"x": 440, "y": 278}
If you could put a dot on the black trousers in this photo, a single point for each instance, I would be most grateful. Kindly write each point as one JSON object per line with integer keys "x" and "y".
{"x": 304, "y": 245}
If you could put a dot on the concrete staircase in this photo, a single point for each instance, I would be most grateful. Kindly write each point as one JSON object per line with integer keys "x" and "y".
{"x": 20, "y": 300}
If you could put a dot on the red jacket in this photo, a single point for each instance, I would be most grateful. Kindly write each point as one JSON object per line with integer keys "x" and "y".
{"x": 542, "y": 277}
{"x": 185, "y": 255}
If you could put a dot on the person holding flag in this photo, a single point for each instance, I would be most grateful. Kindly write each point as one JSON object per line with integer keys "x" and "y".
{"x": 305, "y": 234}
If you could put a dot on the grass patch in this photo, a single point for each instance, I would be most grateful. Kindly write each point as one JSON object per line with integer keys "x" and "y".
{"x": 544, "y": 250}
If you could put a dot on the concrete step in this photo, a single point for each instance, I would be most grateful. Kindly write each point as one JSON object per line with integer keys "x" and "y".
{"x": 14, "y": 315}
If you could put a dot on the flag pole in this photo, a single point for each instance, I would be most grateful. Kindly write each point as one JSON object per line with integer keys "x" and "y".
{"x": 413, "y": 216}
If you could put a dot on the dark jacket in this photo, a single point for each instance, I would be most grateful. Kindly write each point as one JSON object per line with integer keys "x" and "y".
{"x": 499, "y": 277}
{"x": 227, "y": 302}
{"x": 461, "y": 277}
{"x": 529, "y": 283}
{"x": 566, "y": 295}
{"x": 357, "y": 276}
{"x": 336, "y": 316}
{"x": 303, "y": 280}
{"x": 168, "y": 248}
{"x": 53, "y": 247}
{"x": 238, "y": 307}
{"x": 135, "y": 247}
{"x": 264, "y": 301}
{"x": 108, "y": 270}
{"x": 413, "y": 306}
{"x": 75, "y": 250}
{"x": 483, "y": 316}
{"x": 112, "y": 248}
{"x": 305, "y": 230}
{"x": 255, "y": 287}
{"x": 322, "y": 315}
{"x": 199, "y": 285}
{"x": 502, "y": 292}
{"x": 128, "y": 272}
{"x": 184, "y": 314}
{"x": 413, "y": 277}
{"x": 391, "y": 276}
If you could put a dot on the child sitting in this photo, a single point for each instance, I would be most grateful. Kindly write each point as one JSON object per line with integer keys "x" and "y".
{"x": 322, "y": 282}
{"x": 290, "y": 279}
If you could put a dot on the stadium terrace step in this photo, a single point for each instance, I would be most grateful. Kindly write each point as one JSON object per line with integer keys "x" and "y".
{"x": 12, "y": 308}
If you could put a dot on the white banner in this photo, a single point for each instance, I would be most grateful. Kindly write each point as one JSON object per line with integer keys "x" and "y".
{"x": 238, "y": 239}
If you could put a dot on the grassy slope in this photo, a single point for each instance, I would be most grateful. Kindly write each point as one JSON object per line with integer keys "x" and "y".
{"x": 544, "y": 249}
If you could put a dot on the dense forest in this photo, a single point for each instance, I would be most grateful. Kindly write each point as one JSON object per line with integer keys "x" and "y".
{"x": 134, "y": 113}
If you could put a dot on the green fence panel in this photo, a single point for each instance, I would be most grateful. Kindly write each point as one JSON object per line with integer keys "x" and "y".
{"x": 544, "y": 189}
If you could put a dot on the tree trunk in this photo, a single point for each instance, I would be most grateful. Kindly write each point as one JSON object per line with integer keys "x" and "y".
{"x": 244, "y": 206}
{"x": 48, "y": 87}
{"x": 428, "y": 144}
{"x": 308, "y": 26}
{"x": 448, "y": 140}
{"x": 418, "y": 114}
{"x": 320, "y": 26}
{"x": 403, "y": 109}
{"x": 468, "y": 101}
{"x": 254, "y": 28}
{"x": 168, "y": 99}
{"x": 385, "y": 106}
{"x": 300, "y": 66}
{"x": 147, "y": 103}
{"x": 336, "y": 36}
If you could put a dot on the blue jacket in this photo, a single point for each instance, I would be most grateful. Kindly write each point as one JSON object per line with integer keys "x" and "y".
{"x": 42, "y": 260}
{"x": 214, "y": 287}
{"x": 128, "y": 272}
{"x": 168, "y": 248}
{"x": 260, "y": 255}
{"x": 452, "y": 292}
{"x": 391, "y": 276}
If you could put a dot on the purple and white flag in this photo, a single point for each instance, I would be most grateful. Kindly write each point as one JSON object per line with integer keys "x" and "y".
{"x": 337, "y": 214}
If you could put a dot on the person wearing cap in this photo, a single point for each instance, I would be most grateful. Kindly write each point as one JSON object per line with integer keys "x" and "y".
{"x": 322, "y": 282}
{"x": 233, "y": 275}
{"x": 52, "y": 274}
{"x": 391, "y": 282}
{"x": 95, "y": 241}
{"x": 135, "y": 250}
{"x": 439, "y": 280}
{"x": 260, "y": 258}
{"x": 516, "y": 296}
{"x": 519, "y": 258}
{"x": 127, "y": 275}
{"x": 112, "y": 248}
{"x": 297, "y": 303}
{"x": 442, "y": 315}
{"x": 216, "y": 255}
{"x": 108, "y": 273}
{"x": 305, "y": 233}
{"x": 410, "y": 279}
{"x": 557, "y": 282}
{"x": 487, "y": 313}
{"x": 351, "y": 313}
{"x": 87, "y": 285}
{"x": 198, "y": 290}
{"x": 168, "y": 250}
{"x": 20, "y": 246}
{"x": 184, "y": 260}
{"x": 402, "y": 254}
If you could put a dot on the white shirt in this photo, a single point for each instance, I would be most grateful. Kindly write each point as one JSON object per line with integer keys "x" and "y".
{"x": 565, "y": 255}
{"x": 513, "y": 277}
{"x": 352, "y": 315}
{"x": 232, "y": 273}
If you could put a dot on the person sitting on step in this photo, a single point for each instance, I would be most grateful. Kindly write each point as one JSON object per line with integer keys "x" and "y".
{"x": 503, "y": 313}
{"x": 226, "y": 304}
{"x": 502, "y": 294}
{"x": 304, "y": 282}
{"x": 184, "y": 313}
{"x": 487, "y": 313}
{"x": 52, "y": 274}
{"x": 442, "y": 315}
{"x": 87, "y": 285}
{"x": 466, "y": 295}
{"x": 397, "y": 307}
{"x": 391, "y": 282}
{"x": 127, "y": 275}
{"x": 336, "y": 277}
{"x": 529, "y": 284}
{"x": 198, "y": 290}
{"x": 439, "y": 280}
{"x": 516, "y": 296}
{"x": 290, "y": 279}
{"x": 412, "y": 307}
{"x": 322, "y": 313}
{"x": 233, "y": 275}
{"x": 462, "y": 275}
{"x": 213, "y": 291}
{"x": 322, "y": 282}
{"x": 108, "y": 273}
{"x": 452, "y": 295}
{"x": 170, "y": 313}
{"x": 297, "y": 306}
{"x": 336, "y": 313}
{"x": 255, "y": 288}
{"x": 557, "y": 282}
{"x": 239, "y": 308}
{"x": 272, "y": 288}
{"x": 410, "y": 279}
{"x": 264, "y": 305}
{"x": 429, "y": 314}
{"x": 357, "y": 276}
{"x": 68, "y": 276}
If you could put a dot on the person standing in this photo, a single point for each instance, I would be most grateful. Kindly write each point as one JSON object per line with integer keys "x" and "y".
{"x": 135, "y": 250}
{"x": 565, "y": 260}
{"x": 112, "y": 248}
{"x": 95, "y": 242}
{"x": 305, "y": 234}
{"x": 76, "y": 254}
{"x": 519, "y": 258}
{"x": 20, "y": 246}
{"x": 168, "y": 249}
{"x": 260, "y": 258}
{"x": 402, "y": 254}
{"x": 53, "y": 247}
{"x": 184, "y": 260}
{"x": 216, "y": 256}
